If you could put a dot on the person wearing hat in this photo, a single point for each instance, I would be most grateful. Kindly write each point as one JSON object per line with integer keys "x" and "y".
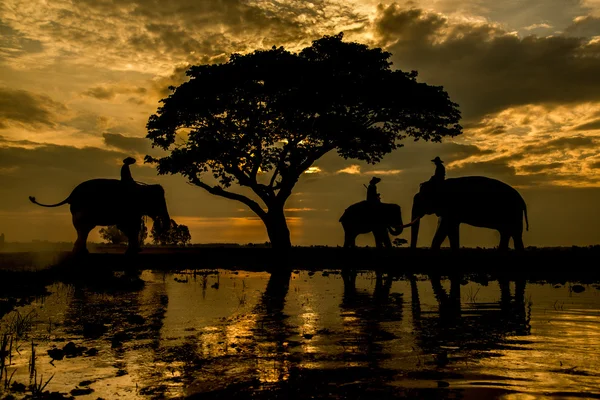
{"x": 372, "y": 194}
{"x": 125, "y": 172}
{"x": 440, "y": 170}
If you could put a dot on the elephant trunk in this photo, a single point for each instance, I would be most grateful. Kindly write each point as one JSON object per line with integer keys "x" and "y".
{"x": 414, "y": 234}
{"x": 396, "y": 230}
{"x": 414, "y": 229}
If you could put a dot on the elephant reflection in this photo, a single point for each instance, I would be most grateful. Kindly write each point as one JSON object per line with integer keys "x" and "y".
{"x": 105, "y": 202}
{"x": 473, "y": 200}
{"x": 481, "y": 327}
{"x": 379, "y": 218}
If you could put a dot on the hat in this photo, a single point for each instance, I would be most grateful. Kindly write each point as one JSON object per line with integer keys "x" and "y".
{"x": 375, "y": 180}
{"x": 437, "y": 159}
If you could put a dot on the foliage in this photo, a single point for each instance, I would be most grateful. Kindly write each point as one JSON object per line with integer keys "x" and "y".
{"x": 398, "y": 242}
{"x": 262, "y": 119}
{"x": 175, "y": 235}
{"x": 113, "y": 235}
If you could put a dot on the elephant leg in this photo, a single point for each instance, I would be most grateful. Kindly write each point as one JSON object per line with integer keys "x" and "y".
{"x": 440, "y": 234}
{"x": 132, "y": 231}
{"x": 504, "y": 238}
{"x": 382, "y": 239}
{"x": 518, "y": 241}
{"x": 83, "y": 230}
{"x": 378, "y": 238}
{"x": 453, "y": 235}
{"x": 349, "y": 238}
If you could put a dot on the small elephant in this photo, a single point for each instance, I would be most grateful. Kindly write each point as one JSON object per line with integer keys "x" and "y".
{"x": 379, "y": 218}
{"x": 105, "y": 202}
{"x": 473, "y": 200}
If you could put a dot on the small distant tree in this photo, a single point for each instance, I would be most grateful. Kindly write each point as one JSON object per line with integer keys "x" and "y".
{"x": 175, "y": 235}
{"x": 398, "y": 242}
{"x": 262, "y": 119}
{"x": 113, "y": 235}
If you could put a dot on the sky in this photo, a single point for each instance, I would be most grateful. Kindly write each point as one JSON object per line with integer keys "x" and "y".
{"x": 79, "y": 79}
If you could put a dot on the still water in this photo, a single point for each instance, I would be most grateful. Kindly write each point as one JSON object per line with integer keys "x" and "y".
{"x": 325, "y": 334}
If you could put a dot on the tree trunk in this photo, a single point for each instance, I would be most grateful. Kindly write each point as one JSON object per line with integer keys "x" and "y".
{"x": 277, "y": 228}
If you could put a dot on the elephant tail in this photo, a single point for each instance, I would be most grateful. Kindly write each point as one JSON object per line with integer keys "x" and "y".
{"x": 526, "y": 220}
{"x": 34, "y": 201}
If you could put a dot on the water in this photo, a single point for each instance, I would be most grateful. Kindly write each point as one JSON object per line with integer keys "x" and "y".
{"x": 229, "y": 334}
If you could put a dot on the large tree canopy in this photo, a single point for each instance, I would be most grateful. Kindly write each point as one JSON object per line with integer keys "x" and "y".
{"x": 262, "y": 119}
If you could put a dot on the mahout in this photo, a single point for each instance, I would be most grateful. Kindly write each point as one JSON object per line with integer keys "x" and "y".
{"x": 474, "y": 200}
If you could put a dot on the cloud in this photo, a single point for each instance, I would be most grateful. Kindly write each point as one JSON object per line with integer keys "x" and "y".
{"x": 14, "y": 42}
{"x": 584, "y": 26}
{"x": 101, "y": 93}
{"x": 541, "y": 167}
{"x": 27, "y": 108}
{"x": 590, "y": 126}
{"x": 353, "y": 169}
{"x": 313, "y": 170}
{"x": 564, "y": 143}
{"x": 486, "y": 68}
{"x": 537, "y": 26}
{"x": 383, "y": 172}
{"x": 138, "y": 145}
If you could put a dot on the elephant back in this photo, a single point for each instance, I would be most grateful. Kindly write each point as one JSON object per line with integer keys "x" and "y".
{"x": 482, "y": 195}
{"x": 102, "y": 193}
{"x": 366, "y": 209}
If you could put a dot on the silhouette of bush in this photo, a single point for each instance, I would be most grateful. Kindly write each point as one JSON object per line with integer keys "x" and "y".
{"x": 175, "y": 235}
{"x": 262, "y": 119}
{"x": 111, "y": 234}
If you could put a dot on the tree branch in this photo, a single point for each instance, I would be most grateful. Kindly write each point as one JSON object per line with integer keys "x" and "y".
{"x": 218, "y": 191}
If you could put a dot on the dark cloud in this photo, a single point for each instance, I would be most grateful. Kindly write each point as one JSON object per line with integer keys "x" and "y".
{"x": 101, "y": 93}
{"x": 541, "y": 167}
{"x": 484, "y": 68}
{"x": 13, "y": 42}
{"x": 572, "y": 142}
{"x": 27, "y": 108}
{"x": 589, "y": 126}
{"x": 595, "y": 165}
{"x": 587, "y": 26}
{"x": 138, "y": 145}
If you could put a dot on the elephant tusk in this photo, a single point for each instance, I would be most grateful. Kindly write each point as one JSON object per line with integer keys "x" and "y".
{"x": 411, "y": 223}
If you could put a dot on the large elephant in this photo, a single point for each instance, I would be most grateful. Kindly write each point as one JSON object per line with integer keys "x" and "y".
{"x": 105, "y": 202}
{"x": 379, "y": 218}
{"x": 473, "y": 200}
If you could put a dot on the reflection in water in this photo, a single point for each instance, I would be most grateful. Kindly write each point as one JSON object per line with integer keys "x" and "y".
{"x": 350, "y": 334}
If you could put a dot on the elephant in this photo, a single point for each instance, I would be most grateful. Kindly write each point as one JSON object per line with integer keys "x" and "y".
{"x": 474, "y": 200}
{"x": 105, "y": 202}
{"x": 366, "y": 216}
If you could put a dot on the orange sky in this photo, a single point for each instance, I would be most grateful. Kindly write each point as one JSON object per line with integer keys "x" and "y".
{"x": 79, "y": 80}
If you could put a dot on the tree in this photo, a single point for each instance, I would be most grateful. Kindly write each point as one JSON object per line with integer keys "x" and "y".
{"x": 113, "y": 235}
{"x": 175, "y": 235}
{"x": 261, "y": 119}
{"x": 398, "y": 242}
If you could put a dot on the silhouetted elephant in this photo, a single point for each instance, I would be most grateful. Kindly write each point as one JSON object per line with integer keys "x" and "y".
{"x": 105, "y": 202}
{"x": 473, "y": 200}
{"x": 365, "y": 217}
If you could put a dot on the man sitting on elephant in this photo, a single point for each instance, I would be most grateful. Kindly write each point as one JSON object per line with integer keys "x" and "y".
{"x": 372, "y": 195}
{"x": 440, "y": 171}
{"x": 125, "y": 172}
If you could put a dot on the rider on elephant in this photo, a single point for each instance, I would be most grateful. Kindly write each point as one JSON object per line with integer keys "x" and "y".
{"x": 125, "y": 172}
{"x": 438, "y": 177}
{"x": 440, "y": 170}
{"x": 372, "y": 195}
